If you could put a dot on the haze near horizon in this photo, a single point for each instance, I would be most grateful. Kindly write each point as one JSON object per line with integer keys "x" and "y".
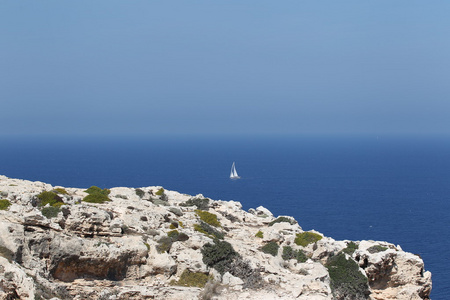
{"x": 224, "y": 68}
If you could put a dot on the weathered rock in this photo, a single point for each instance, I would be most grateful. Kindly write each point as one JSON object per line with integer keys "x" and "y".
{"x": 131, "y": 248}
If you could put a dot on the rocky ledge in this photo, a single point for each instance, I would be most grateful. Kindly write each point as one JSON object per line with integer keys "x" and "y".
{"x": 151, "y": 243}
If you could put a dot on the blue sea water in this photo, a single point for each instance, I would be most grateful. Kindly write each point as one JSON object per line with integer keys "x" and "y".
{"x": 394, "y": 189}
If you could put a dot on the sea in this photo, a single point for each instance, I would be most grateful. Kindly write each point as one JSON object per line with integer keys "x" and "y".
{"x": 385, "y": 188}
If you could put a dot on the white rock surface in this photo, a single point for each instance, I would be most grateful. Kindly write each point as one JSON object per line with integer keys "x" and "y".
{"x": 113, "y": 251}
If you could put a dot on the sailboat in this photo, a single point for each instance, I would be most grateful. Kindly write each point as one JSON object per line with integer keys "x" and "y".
{"x": 234, "y": 174}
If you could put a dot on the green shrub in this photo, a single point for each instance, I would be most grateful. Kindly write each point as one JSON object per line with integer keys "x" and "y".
{"x": 148, "y": 246}
{"x": 50, "y": 198}
{"x": 376, "y": 249}
{"x": 50, "y": 211}
{"x": 347, "y": 282}
{"x": 208, "y": 230}
{"x": 200, "y": 203}
{"x": 191, "y": 279}
{"x": 306, "y": 238}
{"x": 4, "y": 204}
{"x": 60, "y": 191}
{"x": 140, "y": 193}
{"x": 351, "y": 247}
{"x": 96, "y": 198}
{"x": 96, "y": 190}
{"x": 218, "y": 255}
{"x": 259, "y": 234}
{"x": 270, "y": 248}
{"x": 241, "y": 268}
{"x": 289, "y": 253}
{"x": 164, "y": 244}
{"x": 160, "y": 192}
{"x": 97, "y": 195}
{"x": 208, "y": 217}
{"x": 283, "y": 219}
{"x": 173, "y": 234}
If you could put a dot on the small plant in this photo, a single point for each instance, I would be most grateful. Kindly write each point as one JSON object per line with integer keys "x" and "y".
{"x": 139, "y": 192}
{"x": 208, "y": 217}
{"x": 191, "y": 279}
{"x": 96, "y": 190}
{"x": 376, "y": 249}
{"x": 200, "y": 203}
{"x": 306, "y": 238}
{"x": 50, "y": 198}
{"x": 270, "y": 248}
{"x": 148, "y": 246}
{"x": 164, "y": 244}
{"x": 97, "y": 195}
{"x": 96, "y": 198}
{"x": 60, "y": 191}
{"x": 4, "y": 204}
{"x": 160, "y": 192}
{"x": 259, "y": 234}
{"x": 289, "y": 253}
{"x": 351, "y": 247}
{"x": 208, "y": 230}
{"x": 283, "y": 219}
{"x": 347, "y": 282}
{"x": 218, "y": 255}
{"x": 173, "y": 234}
{"x": 50, "y": 211}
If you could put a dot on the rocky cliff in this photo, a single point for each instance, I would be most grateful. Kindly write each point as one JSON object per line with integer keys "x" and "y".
{"x": 150, "y": 243}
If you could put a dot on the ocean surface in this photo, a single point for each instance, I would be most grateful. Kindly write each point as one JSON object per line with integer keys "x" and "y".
{"x": 394, "y": 189}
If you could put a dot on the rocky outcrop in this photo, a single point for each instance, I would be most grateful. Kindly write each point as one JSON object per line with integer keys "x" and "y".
{"x": 150, "y": 243}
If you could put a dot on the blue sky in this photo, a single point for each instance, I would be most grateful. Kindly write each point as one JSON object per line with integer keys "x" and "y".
{"x": 224, "y": 67}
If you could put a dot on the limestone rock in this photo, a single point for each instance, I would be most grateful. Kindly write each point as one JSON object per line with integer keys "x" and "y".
{"x": 134, "y": 246}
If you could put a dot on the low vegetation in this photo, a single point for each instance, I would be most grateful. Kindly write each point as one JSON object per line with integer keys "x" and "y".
{"x": 60, "y": 191}
{"x": 192, "y": 279}
{"x": 50, "y": 198}
{"x": 351, "y": 247}
{"x": 270, "y": 248}
{"x": 208, "y": 230}
{"x": 376, "y": 249}
{"x": 259, "y": 234}
{"x": 50, "y": 211}
{"x": 208, "y": 217}
{"x": 164, "y": 244}
{"x": 4, "y": 204}
{"x": 173, "y": 234}
{"x": 221, "y": 256}
{"x": 200, "y": 203}
{"x": 305, "y": 238}
{"x": 97, "y": 195}
{"x": 139, "y": 192}
{"x": 160, "y": 192}
{"x": 283, "y": 219}
{"x": 289, "y": 253}
{"x": 347, "y": 281}
{"x": 218, "y": 255}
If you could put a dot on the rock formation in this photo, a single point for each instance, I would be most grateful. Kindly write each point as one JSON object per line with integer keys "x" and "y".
{"x": 150, "y": 243}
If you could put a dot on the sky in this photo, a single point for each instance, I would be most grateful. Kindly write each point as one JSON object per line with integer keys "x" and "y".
{"x": 224, "y": 67}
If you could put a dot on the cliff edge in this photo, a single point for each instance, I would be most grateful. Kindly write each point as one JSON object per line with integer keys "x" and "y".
{"x": 151, "y": 243}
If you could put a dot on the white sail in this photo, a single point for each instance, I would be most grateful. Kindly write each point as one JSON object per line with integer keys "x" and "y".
{"x": 234, "y": 174}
